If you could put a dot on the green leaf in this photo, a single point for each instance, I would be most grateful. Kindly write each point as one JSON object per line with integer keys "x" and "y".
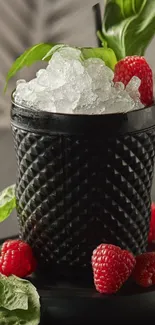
{"x": 30, "y": 56}
{"x": 106, "y": 54}
{"x": 12, "y": 297}
{"x": 20, "y": 303}
{"x": 129, "y": 26}
{"x": 7, "y": 202}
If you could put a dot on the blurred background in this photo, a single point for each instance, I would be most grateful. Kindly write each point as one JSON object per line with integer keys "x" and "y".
{"x": 22, "y": 24}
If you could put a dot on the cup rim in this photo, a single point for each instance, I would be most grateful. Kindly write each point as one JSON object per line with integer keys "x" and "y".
{"x": 105, "y": 125}
{"x": 26, "y": 110}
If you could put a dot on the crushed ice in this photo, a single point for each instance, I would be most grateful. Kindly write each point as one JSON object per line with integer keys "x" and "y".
{"x": 75, "y": 86}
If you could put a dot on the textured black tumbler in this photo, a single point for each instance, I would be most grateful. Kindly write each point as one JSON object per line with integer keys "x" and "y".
{"x": 83, "y": 180}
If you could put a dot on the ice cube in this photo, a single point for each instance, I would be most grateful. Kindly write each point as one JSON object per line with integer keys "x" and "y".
{"x": 95, "y": 107}
{"x": 46, "y": 105}
{"x": 119, "y": 86}
{"x": 76, "y": 68}
{"x": 20, "y": 81}
{"x": 34, "y": 86}
{"x": 70, "y": 53}
{"x": 66, "y": 98}
{"x": 24, "y": 94}
{"x": 62, "y": 71}
{"x": 119, "y": 105}
{"x": 99, "y": 72}
{"x": 101, "y": 76}
{"x": 21, "y": 86}
{"x": 87, "y": 98}
{"x": 57, "y": 70}
{"x": 43, "y": 78}
{"x": 133, "y": 88}
{"x": 76, "y": 82}
{"x": 97, "y": 68}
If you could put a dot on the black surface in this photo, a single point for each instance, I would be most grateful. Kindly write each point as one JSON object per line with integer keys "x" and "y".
{"x": 78, "y": 189}
{"x": 78, "y": 304}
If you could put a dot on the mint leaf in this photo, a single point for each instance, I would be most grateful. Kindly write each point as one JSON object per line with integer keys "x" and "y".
{"x": 106, "y": 54}
{"x": 12, "y": 297}
{"x": 30, "y": 56}
{"x": 129, "y": 26}
{"x": 25, "y": 310}
{"x": 7, "y": 202}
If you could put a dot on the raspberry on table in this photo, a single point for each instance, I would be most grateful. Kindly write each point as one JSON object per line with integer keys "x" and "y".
{"x": 151, "y": 237}
{"x": 112, "y": 266}
{"x": 17, "y": 259}
{"x": 144, "y": 272}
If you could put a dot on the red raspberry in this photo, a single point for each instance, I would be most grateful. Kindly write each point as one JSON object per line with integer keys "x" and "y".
{"x": 151, "y": 237}
{"x": 131, "y": 66}
{"x": 17, "y": 258}
{"x": 112, "y": 266}
{"x": 144, "y": 272}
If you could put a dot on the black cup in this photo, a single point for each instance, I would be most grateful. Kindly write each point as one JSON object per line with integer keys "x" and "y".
{"x": 83, "y": 180}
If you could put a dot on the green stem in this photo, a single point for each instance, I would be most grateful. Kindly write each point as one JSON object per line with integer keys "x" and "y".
{"x": 103, "y": 41}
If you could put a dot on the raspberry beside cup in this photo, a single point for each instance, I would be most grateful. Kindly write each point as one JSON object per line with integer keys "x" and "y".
{"x": 151, "y": 238}
{"x": 17, "y": 259}
{"x": 112, "y": 266}
{"x": 144, "y": 272}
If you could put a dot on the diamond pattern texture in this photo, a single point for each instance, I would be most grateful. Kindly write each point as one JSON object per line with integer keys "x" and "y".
{"x": 74, "y": 193}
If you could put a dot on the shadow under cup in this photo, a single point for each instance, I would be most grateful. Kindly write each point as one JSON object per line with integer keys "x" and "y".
{"x": 82, "y": 181}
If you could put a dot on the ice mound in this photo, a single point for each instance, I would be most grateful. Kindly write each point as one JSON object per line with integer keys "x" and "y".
{"x": 72, "y": 85}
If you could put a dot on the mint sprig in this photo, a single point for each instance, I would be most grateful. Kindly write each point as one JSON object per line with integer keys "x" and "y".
{"x": 106, "y": 54}
{"x": 128, "y": 26}
{"x": 7, "y": 202}
{"x": 19, "y": 302}
{"x": 45, "y": 51}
